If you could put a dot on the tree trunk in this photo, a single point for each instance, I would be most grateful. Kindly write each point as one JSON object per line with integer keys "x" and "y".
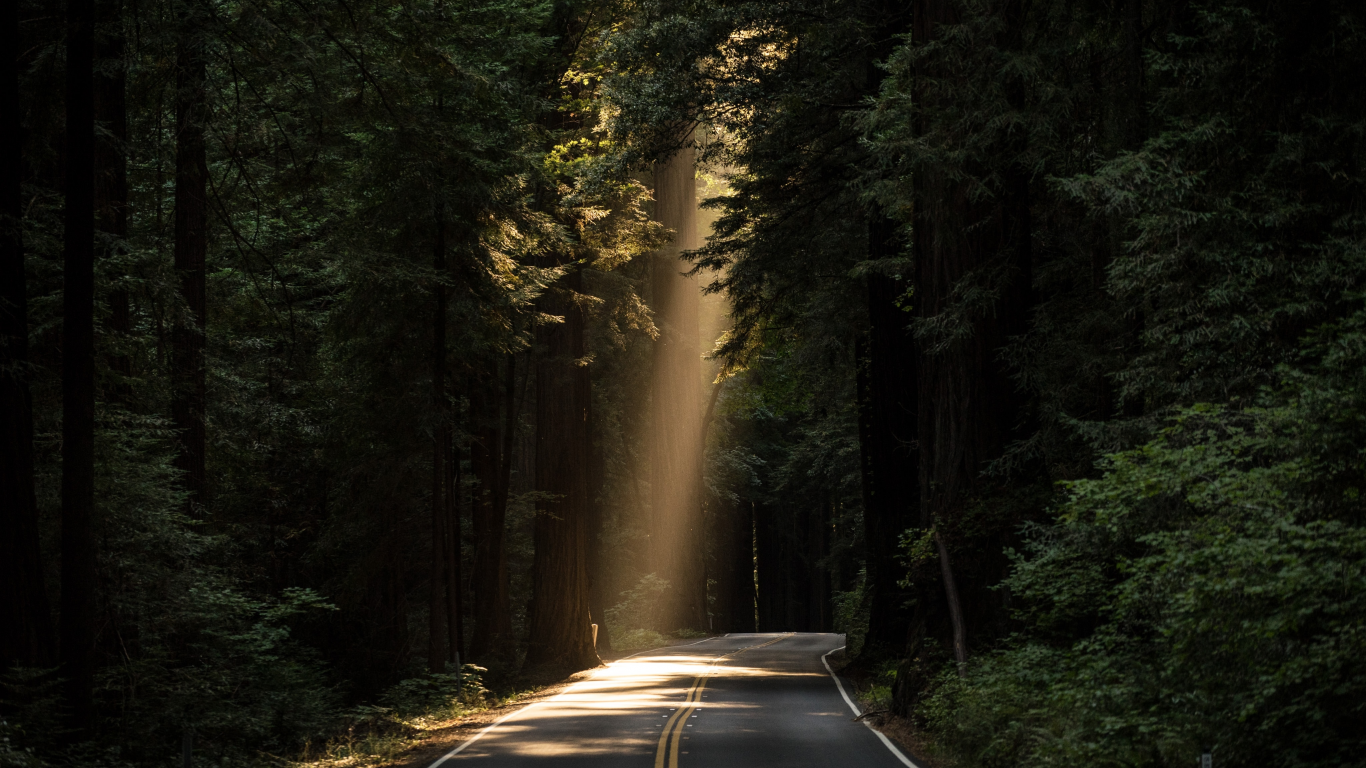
{"x": 890, "y": 437}
{"x": 676, "y": 447}
{"x": 732, "y": 529}
{"x": 818, "y": 601}
{"x": 888, "y": 409}
{"x": 561, "y": 637}
{"x": 111, "y": 181}
{"x": 26, "y": 633}
{"x": 455, "y": 595}
{"x": 597, "y": 582}
{"x": 190, "y": 249}
{"x": 960, "y": 633}
{"x": 770, "y": 587}
{"x": 489, "y": 459}
{"x": 437, "y": 607}
{"x": 78, "y": 372}
{"x": 968, "y": 405}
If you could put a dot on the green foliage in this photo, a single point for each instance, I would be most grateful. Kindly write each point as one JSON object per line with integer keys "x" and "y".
{"x": 1195, "y": 179}
{"x": 634, "y": 639}
{"x": 12, "y": 755}
{"x": 1213, "y": 580}
{"x": 438, "y": 695}
{"x": 639, "y": 607}
{"x": 851, "y": 615}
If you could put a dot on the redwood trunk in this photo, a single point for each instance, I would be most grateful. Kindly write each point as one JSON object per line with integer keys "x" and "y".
{"x": 190, "y": 249}
{"x": 78, "y": 372}
{"x": 455, "y": 609}
{"x": 597, "y": 562}
{"x": 488, "y": 459}
{"x": 437, "y": 607}
{"x": 968, "y": 405}
{"x": 889, "y": 438}
{"x": 26, "y": 634}
{"x": 111, "y": 182}
{"x": 561, "y": 636}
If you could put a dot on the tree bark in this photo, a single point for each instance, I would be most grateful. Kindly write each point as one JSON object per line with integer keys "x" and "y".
{"x": 968, "y": 405}
{"x": 437, "y": 607}
{"x": 489, "y": 460}
{"x": 26, "y": 633}
{"x": 597, "y": 582}
{"x": 561, "y": 636}
{"x": 770, "y": 586}
{"x": 78, "y": 372}
{"x": 111, "y": 181}
{"x": 676, "y": 446}
{"x": 190, "y": 249}
{"x": 735, "y": 577}
{"x": 890, "y": 437}
{"x": 960, "y": 633}
{"x": 455, "y": 595}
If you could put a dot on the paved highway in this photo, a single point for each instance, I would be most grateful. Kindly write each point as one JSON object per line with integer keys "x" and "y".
{"x": 739, "y": 701}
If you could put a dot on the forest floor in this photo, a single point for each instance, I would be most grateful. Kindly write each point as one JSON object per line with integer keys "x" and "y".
{"x": 871, "y": 697}
{"x": 438, "y": 738}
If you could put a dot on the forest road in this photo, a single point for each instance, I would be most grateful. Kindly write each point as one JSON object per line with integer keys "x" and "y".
{"x": 739, "y": 701}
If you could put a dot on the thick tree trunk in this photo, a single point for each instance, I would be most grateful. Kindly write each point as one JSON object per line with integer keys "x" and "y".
{"x": 78, "y": 372}
{"x": 597, "y": 582}
{"x": 770, "y": 586}
{"x": 561, "y": 635}
{"x": 676, "y": 446}
{"x": 741, "y": 566}
{"x": 960, "y": 636}
{"x": 888, "y": 408}
{"x": 26, "y": 633}
{"x": 190, "y": 248}
{"x": 455, "y": 595}
{"x": 968, "y": 405}
{"x": 488, "y": 459}
{"x": 437, "y": 606}
{"x": 888, "y": 431}
{"x": 817, "y": 547}
{"x": 111, "y": 180}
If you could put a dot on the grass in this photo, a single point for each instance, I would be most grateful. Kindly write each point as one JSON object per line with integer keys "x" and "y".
{"x": 411, "y": 710}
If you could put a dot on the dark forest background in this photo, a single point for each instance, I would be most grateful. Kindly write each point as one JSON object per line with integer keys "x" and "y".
{"x": 1033, "y": 358}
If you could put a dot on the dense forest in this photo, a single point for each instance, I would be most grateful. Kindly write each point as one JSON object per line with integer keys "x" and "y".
{"x": 364, "y": 354}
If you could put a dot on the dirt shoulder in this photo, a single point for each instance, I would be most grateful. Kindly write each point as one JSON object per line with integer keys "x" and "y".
{"x": 900, "y": 730}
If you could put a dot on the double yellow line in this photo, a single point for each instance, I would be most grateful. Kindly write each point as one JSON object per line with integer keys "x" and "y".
{"x": 673, "y": 730}
{"x": 675, "y": 724}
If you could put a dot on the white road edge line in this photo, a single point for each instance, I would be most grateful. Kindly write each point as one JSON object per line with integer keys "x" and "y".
{"x": 476, "y": 737}
{"x": 885, "y": 741}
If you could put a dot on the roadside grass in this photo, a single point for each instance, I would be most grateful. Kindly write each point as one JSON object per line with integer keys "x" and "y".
{"x": 413, "y": 709}
{"x": 874, "y": 692}
{"x": 407, "y": 713}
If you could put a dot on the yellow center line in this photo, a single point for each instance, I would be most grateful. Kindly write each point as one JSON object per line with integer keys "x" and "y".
{"x": 675, "y": 725}
{"x": 678, "y": 732}
{"x": 664, "y": 737}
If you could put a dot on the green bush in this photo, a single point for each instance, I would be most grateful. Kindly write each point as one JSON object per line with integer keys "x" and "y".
{"x": 639, "y": 608}
{"x": 436, "y": 694}
{"x": 851, "y": 615}
{"x": 1207, "y": 591}
{"x": 634, "y": 639}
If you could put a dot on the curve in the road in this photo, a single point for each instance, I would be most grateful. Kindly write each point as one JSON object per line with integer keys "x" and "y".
{"x": 769, "y": 707}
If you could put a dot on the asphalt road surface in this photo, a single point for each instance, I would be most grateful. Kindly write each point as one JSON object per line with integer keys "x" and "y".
{"x": 739, "y": 701}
